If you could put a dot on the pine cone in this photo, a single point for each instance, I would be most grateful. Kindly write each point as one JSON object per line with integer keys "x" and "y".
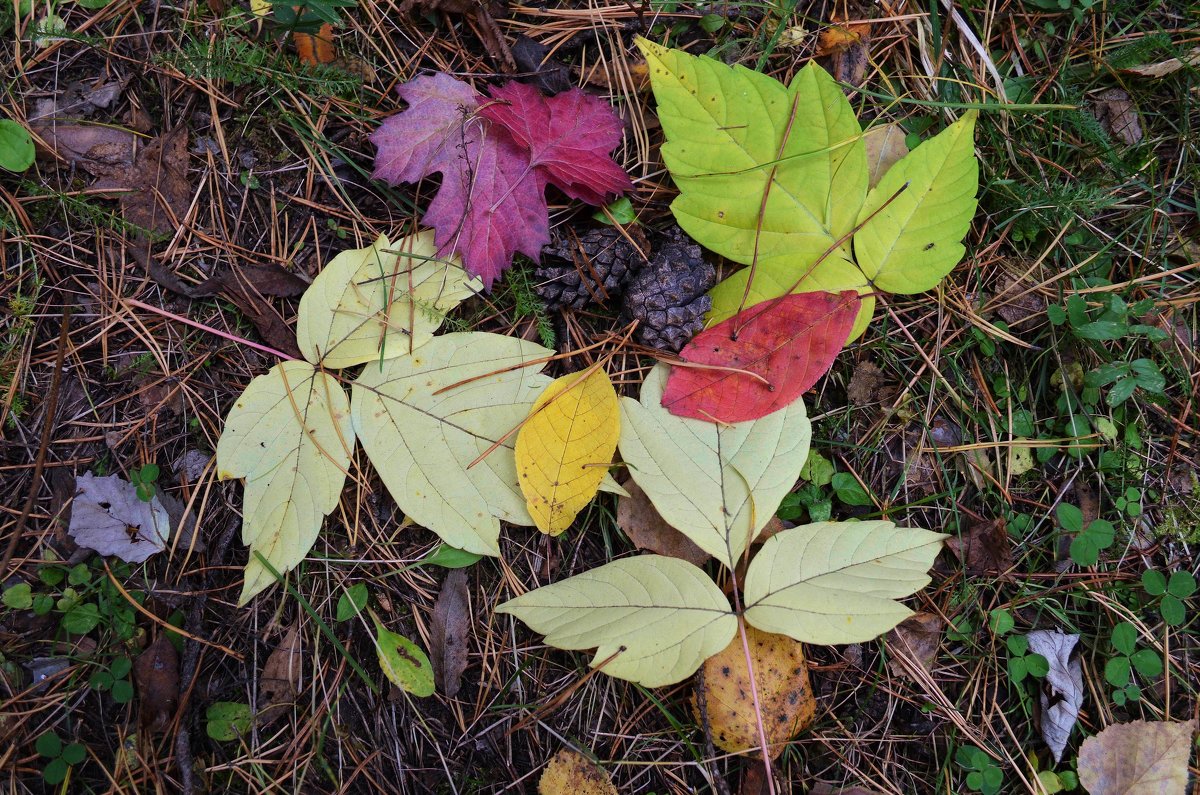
{"x": 597, "y": 265}
{"x": 669, "y": 295}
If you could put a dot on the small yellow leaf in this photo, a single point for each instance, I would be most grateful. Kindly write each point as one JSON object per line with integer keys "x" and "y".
{"x": 572, "y": 773}
{"x": 1020, "y": 458}
{"x": 784, "y": 693}
{"x": 564, "y": 448}
{"x": 402, "y": 661}
{"x": 260, "y": 8}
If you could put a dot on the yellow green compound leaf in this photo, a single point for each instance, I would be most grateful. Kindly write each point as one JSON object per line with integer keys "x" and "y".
{"x": 837, "y": 582}
{"x": 734, "y": 136}
{"x": 718, "y": 484}
{"x": 402, "y": 661}
{"x": 652, "y": 619}
{"x": 289, "y": 436}
{"x": 910, "y": 244}
{"x": 563, "y": 450}
{"x": 425, "y": 418}
{"x": 380, "y": 302}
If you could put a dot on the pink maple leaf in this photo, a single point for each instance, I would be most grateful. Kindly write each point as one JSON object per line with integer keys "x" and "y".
{"x": 568, "y": 135}
{"x": 491, "y": 209}
{"x": 491, "y": 203}
{"x": 431, "y": 135}
{"x": 495, "y": 166}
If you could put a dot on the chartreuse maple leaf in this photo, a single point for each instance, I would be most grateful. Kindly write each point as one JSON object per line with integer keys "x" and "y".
{"x": 718, "y": 484}
{"x": 563, "y": 450}
{"x": 657, "y": 618}
{"x": 754, "y": 162}
{"x": 379, "y": 302}
{"x": 289, "y": 436}
{"x": 776, "y": 177}
{"x": 837, "y": 582}
{"x": 654, "y": 619}
{"x": 426, "y": 417}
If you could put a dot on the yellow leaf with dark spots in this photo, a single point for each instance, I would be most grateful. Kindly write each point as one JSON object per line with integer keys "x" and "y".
{"x": 564, "y": 448}
{"x": 784, "y": 693}
{"x": 572, "y": 773}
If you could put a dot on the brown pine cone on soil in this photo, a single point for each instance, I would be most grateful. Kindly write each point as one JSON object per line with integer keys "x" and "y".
{"x": 597, "y": 265}
{"x": 669, "y": 295}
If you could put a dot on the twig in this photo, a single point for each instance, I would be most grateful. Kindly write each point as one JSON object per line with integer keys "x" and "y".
{"x": 47, "y": 426}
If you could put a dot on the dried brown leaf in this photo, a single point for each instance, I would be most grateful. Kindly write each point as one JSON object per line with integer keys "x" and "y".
{"x": 158, "y": 191}
{"x": 1114, "y": 109}
{"x": 1164, "y": 68}
{"x": 913, "y": 645}
{"x": 846, "y": 46}
{"x": 448, "y": 633}
{"x": 100, "y": 151}
{"x": 984, "y": 548}
{"x": 281, "y": 678}
{"x": 1138, "y": 758}
{"x": 639, "y": 519}
{"x": 1014, "y": 303}
{"x": 867, "y": 385}
{"x": 885, "y": 147}
{"x": 156, "y": 672}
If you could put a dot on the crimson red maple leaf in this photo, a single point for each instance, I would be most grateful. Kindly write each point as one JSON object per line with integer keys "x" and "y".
{"x": 781, "y": 348}
{"x": 491, "y": 203}
{"x": 569, "y": 135}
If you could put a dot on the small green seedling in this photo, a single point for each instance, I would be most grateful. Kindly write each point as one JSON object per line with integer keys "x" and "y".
{"x": 621, "y": 212}
{"x": 227, "y": 720}
{"x": 1089, "y": 540}
{"x": 1118, "y": 670}
{"x": 1130, "y": 502}
{"x": 982, "y": 773}
{"x": 18, "y": 597}
{"x": 144, "y": 479}
{"x": 61, "y": 757}
{"x": 16, "y": 146}
{"x": 115, "y": 680}
{"x": 1126, "y": 378}
{"x": 1180, "y": 586}
{"x": 849, "y": 490}
{"x": 352, "y": 601}
{"x": 1001, "y": 622}
{"x": 1021, "y": 663}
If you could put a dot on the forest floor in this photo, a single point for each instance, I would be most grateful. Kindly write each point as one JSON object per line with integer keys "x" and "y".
{"x": 1056, "y": 366}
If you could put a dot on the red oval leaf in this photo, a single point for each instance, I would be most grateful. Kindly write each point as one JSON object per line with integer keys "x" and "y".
{"x": 782, "y": 347}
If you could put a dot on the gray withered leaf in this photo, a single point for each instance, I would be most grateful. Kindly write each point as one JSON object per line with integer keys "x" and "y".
{"x": 109, "y": 517}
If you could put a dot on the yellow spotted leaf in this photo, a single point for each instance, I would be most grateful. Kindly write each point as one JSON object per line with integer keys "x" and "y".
{"x": 563, "y": 450}
{"x": 572, "y": 773}
{"x": 402, "y": 661}
{"x": 289, "y": 436}
{"x": 380, "y": 302}
{"x": 784, "y": 693}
